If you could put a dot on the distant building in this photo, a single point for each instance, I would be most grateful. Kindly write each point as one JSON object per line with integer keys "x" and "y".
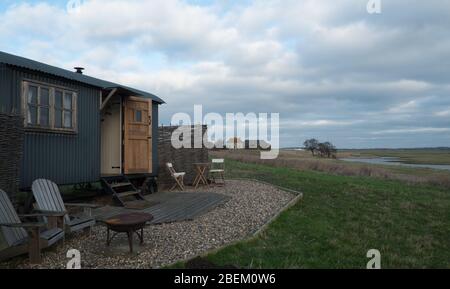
{"x": 257, "y": 145}
{"x": 235, "y": 143}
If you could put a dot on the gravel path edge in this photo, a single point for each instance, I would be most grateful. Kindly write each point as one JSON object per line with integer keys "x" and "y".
{"x": 293, "y": 202}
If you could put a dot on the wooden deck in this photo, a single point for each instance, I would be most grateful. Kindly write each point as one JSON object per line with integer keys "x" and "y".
{"x": 170, "y": 207}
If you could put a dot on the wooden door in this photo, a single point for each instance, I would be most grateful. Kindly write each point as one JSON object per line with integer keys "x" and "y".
{"x": 137, "y": 135}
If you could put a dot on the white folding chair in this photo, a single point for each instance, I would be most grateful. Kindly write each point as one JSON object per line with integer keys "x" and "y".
{"x": 217, "y": 171}
{"x": 178, "y": 177}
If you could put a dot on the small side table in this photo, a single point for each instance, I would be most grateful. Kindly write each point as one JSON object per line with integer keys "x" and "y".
{"x": 129, "y": 223}
{"x": 201, "y": 169}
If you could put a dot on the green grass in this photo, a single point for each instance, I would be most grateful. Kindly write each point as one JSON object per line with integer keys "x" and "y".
{"x": 412, "y": 156}
{"x": 341, "y": 218}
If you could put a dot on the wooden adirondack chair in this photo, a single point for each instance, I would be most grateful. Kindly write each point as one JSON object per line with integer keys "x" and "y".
{"x": 48, "y": 198}
{"x": 177, "y": 177}
{"x": 22, "y": 238}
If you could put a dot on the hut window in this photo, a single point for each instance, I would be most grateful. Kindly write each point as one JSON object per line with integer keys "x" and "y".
{"x": 32, "y": 105}
{"x": 58, "y": 109}
{"x": 49, "y": 107}
{"x": 68, "y": 110}
{"x": 138, "y": 116}
{"x": 44, "y": 107}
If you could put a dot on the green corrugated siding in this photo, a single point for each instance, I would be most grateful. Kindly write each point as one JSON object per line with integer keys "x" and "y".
{"x": 5, "y": 89}
{"x": 64, "y": 159}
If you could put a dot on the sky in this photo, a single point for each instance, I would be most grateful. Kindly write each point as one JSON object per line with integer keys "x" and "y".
{"x": 331, "y": 70}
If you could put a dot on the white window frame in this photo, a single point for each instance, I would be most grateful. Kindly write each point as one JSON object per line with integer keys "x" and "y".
{"x": 52, "y": 89}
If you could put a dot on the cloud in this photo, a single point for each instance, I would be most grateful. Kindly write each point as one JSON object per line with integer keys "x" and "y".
{"x": 409, "y": 106}
{"x": 325, "y": 123}
{"x": 413, "y": 130}
{"x": 329, "y": 68}
{"x": 443, "y": 113}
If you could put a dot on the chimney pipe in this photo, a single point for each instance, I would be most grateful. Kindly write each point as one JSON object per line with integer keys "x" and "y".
{"x": 79, "y": 70}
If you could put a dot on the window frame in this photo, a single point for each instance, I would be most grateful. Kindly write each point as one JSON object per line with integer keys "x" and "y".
{"x": 51, "y": 107}
{"x": 40, "y": 106}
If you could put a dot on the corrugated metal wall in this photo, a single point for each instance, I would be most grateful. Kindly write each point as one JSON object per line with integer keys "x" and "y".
{"x": 6, "y": 96}
{"x": 65, "y": 159}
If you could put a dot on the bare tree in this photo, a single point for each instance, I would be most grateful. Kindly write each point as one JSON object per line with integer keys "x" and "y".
{"x": 311, "y": 145}
{"x": 325, "y": 149}
{"x": 321, "y": 147}
{"x": 332, "y": 151}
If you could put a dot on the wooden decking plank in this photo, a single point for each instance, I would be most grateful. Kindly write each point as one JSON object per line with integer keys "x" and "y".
{"x": 206, "y": 207}
{"x": 171, "y": 215}
{"x": 181, "y": 212}
{"x": 203, "y": 205}
{"x": 212, "y": 203}
{"x": 200, "y": 203}
{"x": 168, "y": 207}
{"x": 173, "y": 207}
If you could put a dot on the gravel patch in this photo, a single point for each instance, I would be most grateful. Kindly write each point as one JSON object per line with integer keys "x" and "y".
{"x": 252, "y": 204}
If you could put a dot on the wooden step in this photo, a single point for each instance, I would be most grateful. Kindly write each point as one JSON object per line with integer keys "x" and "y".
{"x": 127, "y": 194}
{"x": 118, "y": 185}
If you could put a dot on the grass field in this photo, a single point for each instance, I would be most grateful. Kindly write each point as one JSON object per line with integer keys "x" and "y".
{"x": 304, "y": 161}
{"x": 415, "y": 156}
{"x": 341, "y": 218}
